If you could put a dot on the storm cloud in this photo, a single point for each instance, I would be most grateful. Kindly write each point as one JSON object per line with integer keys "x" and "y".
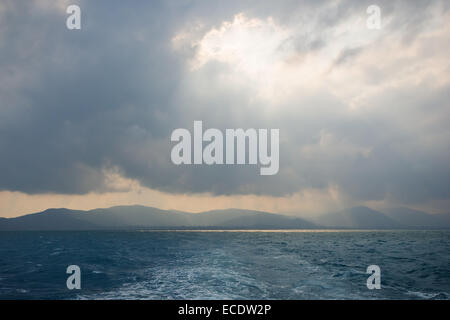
{"x": 364, "y": 110}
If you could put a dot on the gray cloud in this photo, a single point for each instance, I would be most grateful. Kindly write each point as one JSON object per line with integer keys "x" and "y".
{"x": 73, "y": 103}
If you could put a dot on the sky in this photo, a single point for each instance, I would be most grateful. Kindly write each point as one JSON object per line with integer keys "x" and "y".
{"x": 86, "y": 115}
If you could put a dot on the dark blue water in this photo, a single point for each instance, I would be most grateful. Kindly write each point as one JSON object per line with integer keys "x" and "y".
{"x": 225, "y": 265}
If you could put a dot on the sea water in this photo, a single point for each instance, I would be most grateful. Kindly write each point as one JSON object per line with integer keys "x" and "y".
{"x": 225, "y": 265}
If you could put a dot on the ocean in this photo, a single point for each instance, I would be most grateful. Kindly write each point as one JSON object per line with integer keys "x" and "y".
{"x": 225, "y": 265}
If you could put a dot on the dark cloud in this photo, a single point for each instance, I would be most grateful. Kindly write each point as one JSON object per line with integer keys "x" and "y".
{"x": 74, "y": 103}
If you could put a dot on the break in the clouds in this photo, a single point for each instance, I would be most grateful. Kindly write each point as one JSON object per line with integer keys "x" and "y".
{"x": 365, "y": 111}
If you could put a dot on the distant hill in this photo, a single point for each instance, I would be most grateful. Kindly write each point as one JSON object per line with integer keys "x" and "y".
{"x": 51, "y": 219}
{"x": 358, "y": 218}
{"x": 256, "y": 220}
{"x": 134, "y": 217}
{"x": 415, "y": 218}
{"x": 141, "y": 217}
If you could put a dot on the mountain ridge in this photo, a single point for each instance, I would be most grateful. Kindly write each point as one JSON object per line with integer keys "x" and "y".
{"x": 137, "y": 217}
{"x": 143, "y": 217}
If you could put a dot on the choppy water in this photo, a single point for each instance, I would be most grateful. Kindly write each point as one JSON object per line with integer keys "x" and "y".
{"x": 225, "y": 265}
